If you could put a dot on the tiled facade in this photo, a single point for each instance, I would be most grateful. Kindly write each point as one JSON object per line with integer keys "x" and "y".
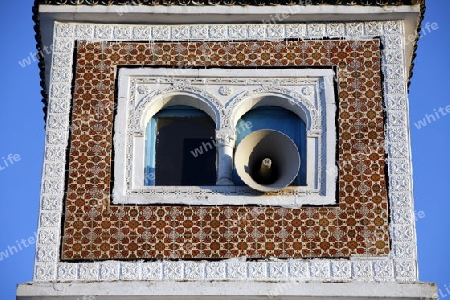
{"x": 96, "y": 238}
{"x": 56, "y": 261}
{"x": 358, "y": 225}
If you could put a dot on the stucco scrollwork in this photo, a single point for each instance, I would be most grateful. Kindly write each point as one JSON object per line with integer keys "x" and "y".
{"x": 139, "y": 122}
{"x": 225, "y": 137}
{"x": 294, "y": 102}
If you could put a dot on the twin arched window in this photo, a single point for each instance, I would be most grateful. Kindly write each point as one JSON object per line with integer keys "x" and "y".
{"x": 180, "y": 147}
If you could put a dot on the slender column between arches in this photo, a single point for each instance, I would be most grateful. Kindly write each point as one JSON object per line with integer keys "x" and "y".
{"x": 225, "y": 144}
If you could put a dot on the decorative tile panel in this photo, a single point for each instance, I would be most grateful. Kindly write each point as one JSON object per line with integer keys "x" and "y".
{"x": 299, "y": 270}
{"x": 362, "y": 270}
{"x": 278, "y": 270}
{"x": 383, "y": 270}
{"x": 46, "y": 253}
{"x": 216, "y": 271}
{"x": 44, "y": 272}
{"x": 174, "y": 270}
{"x": 61, "y": 106}
{"x": 404, "y": 250}
{"x": 335, "y": 29}
{"x": 341, "y": 270}
{"x": 320, "y": 270}
{"x": 195, "y": 271}
{"x": 88, "y": 155}
{"x": 374, "y": 28}
{"x": 84, "y": 32}
{"x": 258, "y": 270}
{"x": 55, "y": 137}
{"x": 67, "y": 272}
{"x": 237, "y": 270}
{"x": 152, "y": 271}
{"x": 49, "y": 236}
{"x": 88, "y": 272}
{"x": 405, "y": 269}
{"x": 130, "y": 271}
{"x": 109, "y": 271}
{"x": 51, "y": 203}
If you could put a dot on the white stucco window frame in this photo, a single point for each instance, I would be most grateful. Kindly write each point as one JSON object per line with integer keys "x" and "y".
{"x": 225, "y": 95}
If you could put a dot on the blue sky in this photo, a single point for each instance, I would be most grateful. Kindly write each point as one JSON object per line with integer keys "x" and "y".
{"x": 22, "y": 136}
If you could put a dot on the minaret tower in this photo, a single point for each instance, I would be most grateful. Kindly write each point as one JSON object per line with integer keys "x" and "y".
{"x": 226, "y": 149}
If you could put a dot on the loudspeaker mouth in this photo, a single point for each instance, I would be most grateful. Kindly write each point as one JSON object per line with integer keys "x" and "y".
{"x": 267, "y": 160}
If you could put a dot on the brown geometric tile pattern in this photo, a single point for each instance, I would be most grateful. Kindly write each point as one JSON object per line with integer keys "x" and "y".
{"x": 358, "y": 225}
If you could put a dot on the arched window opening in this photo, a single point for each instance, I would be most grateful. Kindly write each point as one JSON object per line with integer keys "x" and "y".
{"x": 180, "y": 148}
{"x": 275, "y": 118}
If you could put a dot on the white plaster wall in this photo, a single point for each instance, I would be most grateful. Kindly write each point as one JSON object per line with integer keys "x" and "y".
{"x": 133, "y": 290}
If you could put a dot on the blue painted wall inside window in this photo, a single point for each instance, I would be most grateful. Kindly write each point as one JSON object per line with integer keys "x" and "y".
{"x": 150, "y": 142}
{"x": 276, "y": 118}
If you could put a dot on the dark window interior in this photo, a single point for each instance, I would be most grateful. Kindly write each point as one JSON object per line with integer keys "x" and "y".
{"x": 185, "y": 149}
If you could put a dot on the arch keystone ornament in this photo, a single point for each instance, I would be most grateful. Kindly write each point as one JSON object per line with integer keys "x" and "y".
{"x": 334, "y": 234}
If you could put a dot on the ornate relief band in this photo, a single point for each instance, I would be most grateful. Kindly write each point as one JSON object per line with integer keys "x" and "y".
{"x": 225, "y": 2}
